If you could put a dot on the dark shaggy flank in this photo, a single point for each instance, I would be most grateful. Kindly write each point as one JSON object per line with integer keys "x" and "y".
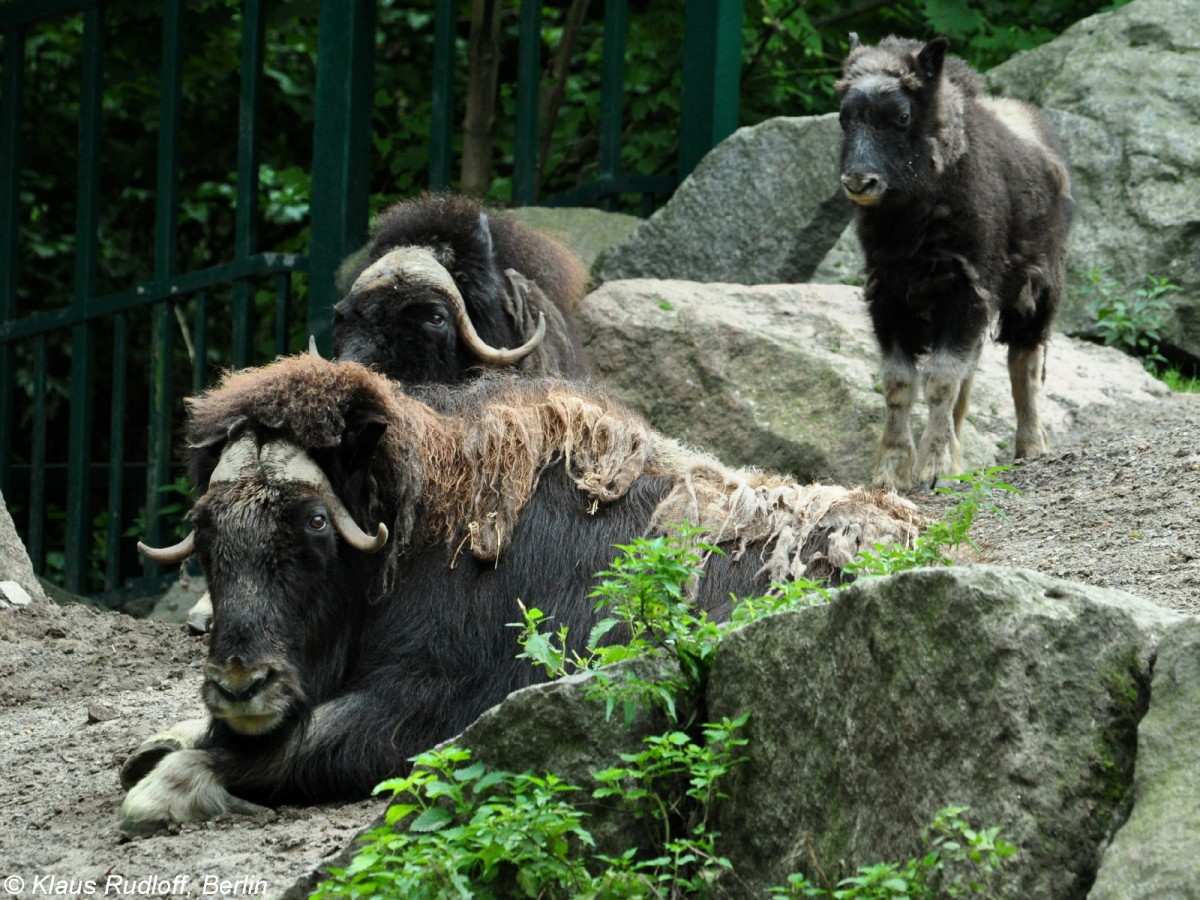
{"x": 331, "y": 666}
{"x": 508, "y": 275}
{"x": 963, "y": 212}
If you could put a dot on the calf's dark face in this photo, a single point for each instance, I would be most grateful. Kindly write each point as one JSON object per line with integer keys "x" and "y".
{"x": 271, "y": 555}
{"x": 880, "y": 144}
{"x": 886, "y": 126}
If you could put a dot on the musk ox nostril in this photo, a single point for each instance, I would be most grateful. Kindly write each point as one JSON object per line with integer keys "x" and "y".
{"x": 861, "y": 183}
{"x": 238, "y": 684}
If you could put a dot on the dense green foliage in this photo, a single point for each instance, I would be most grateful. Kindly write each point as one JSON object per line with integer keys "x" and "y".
{"x": 791, "y": 53}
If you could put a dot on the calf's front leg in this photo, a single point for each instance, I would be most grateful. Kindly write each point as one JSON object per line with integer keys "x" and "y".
{"x": 894, "y": 463}
{"x": 946, "y": 380}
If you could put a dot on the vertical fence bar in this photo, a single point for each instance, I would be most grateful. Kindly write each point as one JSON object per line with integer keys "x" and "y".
{"x": 712, "y": 59}
{"x": 441, "y": 131}
{"x": 341, "y": 152}
{"x": 612, "y": 89}
{"x": 245, "y": 237}
{"x": 200, "y": 343}
{"x": 80, "y": 443}
{"x": 283, "y": 312}
{"x": 529, "y": 71}
{"x": 116, "y": 454}
{"x": 37, "y": 461}
{"x": 11, "y": 90}
{"x": 158, "y": 448}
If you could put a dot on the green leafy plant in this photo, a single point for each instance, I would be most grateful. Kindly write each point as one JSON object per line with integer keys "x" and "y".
{"x": 645, "y": 598}
{"x": 936, "y": 545}
{"x": 1131, "y": 320}
{"x": 457, "y": 829}
{"x": 958, "y": 861}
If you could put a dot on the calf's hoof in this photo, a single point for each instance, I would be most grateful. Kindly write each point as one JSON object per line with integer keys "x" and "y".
{"x": 180, "y": 736}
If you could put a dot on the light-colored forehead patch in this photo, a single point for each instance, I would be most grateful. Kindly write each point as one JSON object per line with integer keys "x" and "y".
{"x": 275, "y": 462}
{"x": 877, "y": 84}
{"x": 404, "y": 262}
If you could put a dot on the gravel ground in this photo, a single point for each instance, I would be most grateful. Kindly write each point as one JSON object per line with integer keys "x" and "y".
{"x": 1118, "y": 506}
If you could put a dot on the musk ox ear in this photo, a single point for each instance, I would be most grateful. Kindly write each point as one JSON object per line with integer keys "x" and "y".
{"x": 931, "y": 58}
{"x": 206, "y": 449}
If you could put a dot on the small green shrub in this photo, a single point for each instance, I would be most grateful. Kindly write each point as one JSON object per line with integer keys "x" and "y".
{"x": 456, "y": 828}
{"x": 958, "y": 861}
{"x": 935, "y": 546}
{"x": 1131, "y": 320}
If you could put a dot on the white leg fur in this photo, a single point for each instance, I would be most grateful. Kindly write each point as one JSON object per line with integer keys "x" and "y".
{"x": 181, "y": 788}
{"x": 894, "y": 464}
{"x": 946, "y": 380}
{"x": 1025, "y": 373}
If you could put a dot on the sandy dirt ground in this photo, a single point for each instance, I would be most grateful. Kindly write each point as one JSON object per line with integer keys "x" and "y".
{"x": 1117, "y": 505}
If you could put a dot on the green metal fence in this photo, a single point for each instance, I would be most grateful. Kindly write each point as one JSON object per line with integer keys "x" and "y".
{"x": 82, "y": 473}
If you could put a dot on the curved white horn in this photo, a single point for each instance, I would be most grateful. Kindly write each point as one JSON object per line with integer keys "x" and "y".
{"x": 167, "y": 555}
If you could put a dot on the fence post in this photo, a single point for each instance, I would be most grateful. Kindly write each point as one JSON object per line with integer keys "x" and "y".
{"x": 11, "y": 91}
{"x": 80, "y": 441}
{"x": 712, "y": 48}
{"x": 341, "y": 152}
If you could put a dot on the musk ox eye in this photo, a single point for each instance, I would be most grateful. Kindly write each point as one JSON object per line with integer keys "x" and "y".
{"x": 437, "y": 320}
{"x": 903, "y": 118}
{"x": 318, "y": 522}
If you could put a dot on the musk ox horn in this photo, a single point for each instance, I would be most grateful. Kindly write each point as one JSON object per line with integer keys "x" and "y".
{"x": 167, "y": 555}
{"x": 283, "y": 461}
{"x": 420, "y": 263}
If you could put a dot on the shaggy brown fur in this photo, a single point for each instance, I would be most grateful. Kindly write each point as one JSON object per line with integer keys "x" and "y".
{"x": 473, "y": 469}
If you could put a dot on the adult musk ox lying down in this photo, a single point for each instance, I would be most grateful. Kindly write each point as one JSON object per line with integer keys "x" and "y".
{"x": 963, "y": 210}
{"x": 451, "y": 289}
{"x": 365, "y": 552}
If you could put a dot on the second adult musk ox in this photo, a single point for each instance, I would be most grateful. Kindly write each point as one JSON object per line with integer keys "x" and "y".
{"x": 365, "y": 553}
{"x": 450, "y": 289}
{"x": 964, "y": 202}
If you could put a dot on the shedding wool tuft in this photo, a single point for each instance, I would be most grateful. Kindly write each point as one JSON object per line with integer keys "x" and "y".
{"x": 466, "y": 474}
{"x": 812, "y": 531}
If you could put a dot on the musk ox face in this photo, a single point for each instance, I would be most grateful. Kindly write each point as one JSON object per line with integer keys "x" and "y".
{"x": 888, "y": 103}
{"x": 403, "y": 329}
{"x": 282, "y": 555}
{"x": 419, "y": 314}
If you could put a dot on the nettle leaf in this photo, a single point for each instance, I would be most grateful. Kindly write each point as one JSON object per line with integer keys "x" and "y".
{"x": 432, "y": 819}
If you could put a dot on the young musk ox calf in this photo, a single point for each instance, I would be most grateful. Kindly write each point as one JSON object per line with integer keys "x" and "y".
{"x": 365, "y": 553}
{"x": 964, "y": 203}
{"x": 450, "y": 290}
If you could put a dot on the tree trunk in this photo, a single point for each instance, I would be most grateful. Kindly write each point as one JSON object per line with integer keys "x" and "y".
{"x": 552, "y": 95}
{"x": 483, "y": 64}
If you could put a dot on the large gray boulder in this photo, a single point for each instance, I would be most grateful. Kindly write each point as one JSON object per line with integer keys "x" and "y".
{"x": 1122, "y": 89}
{"x": 1004, "y": 690}
{"x": 786, "y": 376}
{"x": 1154, "y": 854}
{"x": 762, "y": 207}
{"x": 18, "y": 584}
